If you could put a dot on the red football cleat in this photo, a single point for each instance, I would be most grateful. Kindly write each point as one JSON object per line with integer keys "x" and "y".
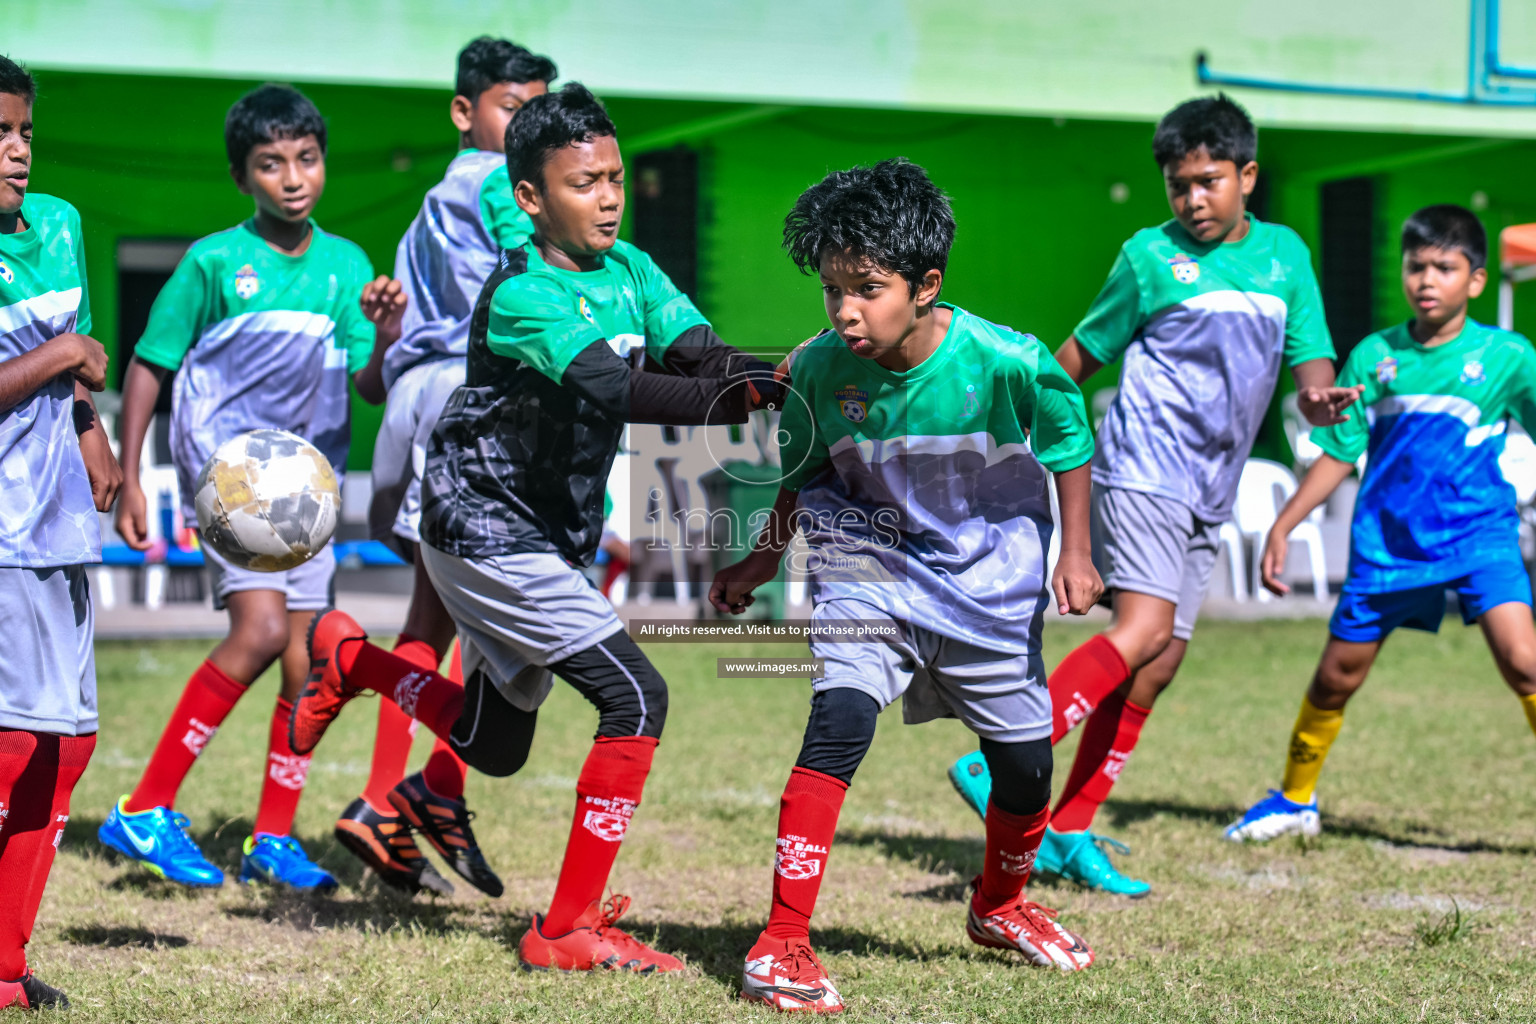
{"x": 788, "y": 976}
{"x": 592, "y": 943}
{"x": 325, "y": 691}
{"x": 1029, "y": 928}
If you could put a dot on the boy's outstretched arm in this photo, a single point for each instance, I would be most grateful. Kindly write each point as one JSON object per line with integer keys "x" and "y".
{"x": 1075, "y": 582}
{"x": 141, "y": 389}
{"x": 1320, "y": 400}
{"x": 1321, "y": 480}
{"x": 1077, "y": 361}
{"x": 732, "y": 589}
{"x": 383, "y": 303}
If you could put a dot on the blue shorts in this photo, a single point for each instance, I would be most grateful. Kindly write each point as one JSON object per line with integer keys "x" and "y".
{"x": 1363, "y": 618}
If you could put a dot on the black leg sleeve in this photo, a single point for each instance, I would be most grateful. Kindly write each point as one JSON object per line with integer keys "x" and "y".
{"x": 841, "y": 728}
{"x": 620, "y": 681}
{"x": 491, "y": 736}
{"x": 1021, "y": 774}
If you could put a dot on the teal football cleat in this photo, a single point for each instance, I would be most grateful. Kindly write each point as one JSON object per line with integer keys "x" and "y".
{"x": 157, "y": 838}
{"x": 1080, "y": 857}
{"x": 973, "y": 781}
{"x": 280, "y": 860}
{"x": 1273, "y": 817}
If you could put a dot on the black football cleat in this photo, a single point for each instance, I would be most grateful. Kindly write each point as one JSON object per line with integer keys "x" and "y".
{"x": 445, "y": 823}
{"x": 384, "y": 843}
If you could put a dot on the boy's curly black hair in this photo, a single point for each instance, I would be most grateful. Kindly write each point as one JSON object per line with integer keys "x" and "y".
{"x": 1447, "y": 226}
{"x": 268, "y": 113}
{"x": 1215, "y": 122}
{"x": 568, "y": 116}
{"x": 890, "y": 214}
{"x": 485, "y": 62}
{"x": 17, "y": 80}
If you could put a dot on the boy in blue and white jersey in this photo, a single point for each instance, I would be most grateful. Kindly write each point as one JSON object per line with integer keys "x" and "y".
{"x": 443, "y": 261}
{"x": 1434, "y": 512}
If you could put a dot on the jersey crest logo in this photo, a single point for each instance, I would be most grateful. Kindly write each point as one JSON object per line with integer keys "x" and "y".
{"x": 1386, "y": 371}
{"x": 585, "y": 310}
{"x": 1185, "y": 269}
{"x": 972, "y": 405}
{"x": 247, "y": 283}
{"x": 7, "y": 274}
{"x": 854, "y": 403}
{"x": 1473, "y": 373}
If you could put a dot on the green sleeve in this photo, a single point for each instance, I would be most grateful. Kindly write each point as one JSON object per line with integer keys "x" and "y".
{"x": 802, "y": 452}
{"x": 1116, "y": 315}
{"x": 1059, "y": 432}
{"x": 533, "y": 320}
{"x": 667, "y": 311}
{"x": 505, "y": 221}
{"x": 1347, "y": 441}
{"x": 1306, "y": 328}
{"x": 355, "y": 333}
{"x": 77, "y": 244}
{"x": 1523, "y": 403}
{"x": 178, "y": 316}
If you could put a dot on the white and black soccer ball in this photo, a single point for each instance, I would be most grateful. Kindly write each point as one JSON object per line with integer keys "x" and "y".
{"x": 267, "y": 500}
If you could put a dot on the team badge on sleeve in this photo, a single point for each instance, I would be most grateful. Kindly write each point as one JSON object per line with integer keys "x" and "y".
{"x": 1386, "y": 371}
{"x": 1185, "y": 269}
{"x": 854, "y": 403}
{"x": 6, "y": 273}
{"x": 247, "y": 283}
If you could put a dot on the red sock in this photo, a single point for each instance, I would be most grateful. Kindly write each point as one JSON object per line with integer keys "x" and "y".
{"x": 392, "y": 739}
{"x": 808, "y": 813}
{"x": 1084, "y": 678}
{"x": 1012, "y": 840}
{"x": 1107, "y": 744}
{"x": 444, "y": 773}
{"x": 286, "y": 774}
{"x": 433, "y": 700}
{"x": 607, "y": 793}
{"x": 38, "y": 772}
{"x": 204, "y": 704}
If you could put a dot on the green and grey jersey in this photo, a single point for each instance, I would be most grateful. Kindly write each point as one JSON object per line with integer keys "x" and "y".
{"x": 47, "y": 516}
{"x": 1203, "y": 328}
{"x": 924, "y": 493}
{"x": 261, "y": 339}
{"x": 447, "y": 254}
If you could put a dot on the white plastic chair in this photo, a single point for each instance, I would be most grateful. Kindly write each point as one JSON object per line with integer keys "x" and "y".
{"x": 1263, "y": 489}
{"x": 1298, "y": 432}
{"x": 159, "y": 484}
{"x": 1231, "y": 538}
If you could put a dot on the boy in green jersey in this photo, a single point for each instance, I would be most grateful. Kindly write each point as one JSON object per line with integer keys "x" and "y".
{"x": 266, "y": 324}
{"x": 1434, "y": 512}
{"x": 56, "y": 472}
{"x": 1204, "y": 310}
{"x": 918, "y": 442}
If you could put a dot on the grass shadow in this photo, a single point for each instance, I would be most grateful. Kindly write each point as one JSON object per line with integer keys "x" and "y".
{"x": 719, "y": 950}
{"x": 117, "y": 937}
{"x": 939, "y": 855}
{"x": 382, "y": 910}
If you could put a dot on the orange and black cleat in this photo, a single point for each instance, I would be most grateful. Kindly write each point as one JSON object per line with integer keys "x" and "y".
{"x": 384, "y": 843}
{"x": 592, "y": 944}
{"x": 445, "y": 823}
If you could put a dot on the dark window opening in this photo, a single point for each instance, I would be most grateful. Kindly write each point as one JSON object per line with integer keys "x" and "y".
{"x": 1348, "y": 260}
{"x": 665, "y": 188}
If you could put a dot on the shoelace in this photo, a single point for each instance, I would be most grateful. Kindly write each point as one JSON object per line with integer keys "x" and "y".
{"x": 801, "y": 964}
{"x": 182, "y": 839}
{"x": 1039, "y": 917}
{"x": 1107, "y": 841}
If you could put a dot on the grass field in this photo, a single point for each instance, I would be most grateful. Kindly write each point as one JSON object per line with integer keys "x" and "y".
{"x": 1427, "y": 800}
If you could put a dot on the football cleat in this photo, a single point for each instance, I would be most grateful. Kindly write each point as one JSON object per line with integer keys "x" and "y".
{"x": 592, "y": 943}
{"x": 1082, "y": 857}
{"x": 1273, "y": 817}
{"x": 788, "y": 976}
{"x": 973, "y": 781}
{"x": 280, "y": 860}
{"x": 325, "y": 691}
{"x": 1029, "y": 928}
{"x": 158, "y": 839}
{"x": 384, "y": 843}
{"x": 445, "y": 823}
{"x": 30, "y": 994}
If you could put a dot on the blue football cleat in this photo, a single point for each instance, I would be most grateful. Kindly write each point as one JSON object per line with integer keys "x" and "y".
{"x": 973, "y": 781}
{"x": 280, "y": 860}
{"x": 1081, "y": 857}
{"x": 157, "y": 838}
{"x": 1273, "y": 817}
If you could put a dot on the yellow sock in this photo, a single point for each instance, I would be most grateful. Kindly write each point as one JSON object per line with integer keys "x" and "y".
{"x": 1314, "y": 733}
{"x": 1529, "y": 703}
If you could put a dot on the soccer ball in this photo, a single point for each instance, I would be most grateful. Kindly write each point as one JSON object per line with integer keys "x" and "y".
{"x": 267, "y": 500}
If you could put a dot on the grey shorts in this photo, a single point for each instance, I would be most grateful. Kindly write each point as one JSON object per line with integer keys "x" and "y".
{"x": 1153, "y": 545}
{"x": 308, "y": 588}
{"x": 48, "y": 674}
{"x": 400, "y": 452}
{"x": 1001, "y": 697}
{"x": 518, "y": 613}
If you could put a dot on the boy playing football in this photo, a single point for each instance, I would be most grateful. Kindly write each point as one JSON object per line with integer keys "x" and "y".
{"x": 263, "y": 322}
{"x": 917, "y": 445}
{"x": 575, "y": 334}
{"x": 1204, "y": 309}
{"x": 56, "y": 472}
{"x": 445, "y": 257}
{"x": 1434, "y": 512}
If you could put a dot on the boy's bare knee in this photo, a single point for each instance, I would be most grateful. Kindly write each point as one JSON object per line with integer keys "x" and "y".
{"x": 264, "y": 636}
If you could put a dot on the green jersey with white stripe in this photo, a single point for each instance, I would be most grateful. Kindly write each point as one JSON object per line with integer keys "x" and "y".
{"x": 261, "y": 339}
{"x": 47, "y": 516}
{"x": 924, "y": 493}
{"x": 1203, "y": 328}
